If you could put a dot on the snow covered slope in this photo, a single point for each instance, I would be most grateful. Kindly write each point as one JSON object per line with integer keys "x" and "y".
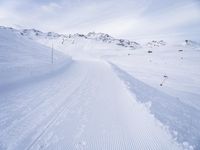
{"x": 22, "y": 60}
{"x": 107, "y": 97}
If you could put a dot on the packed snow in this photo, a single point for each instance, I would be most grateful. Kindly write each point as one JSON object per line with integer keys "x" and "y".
{"x": 99, "y": 92}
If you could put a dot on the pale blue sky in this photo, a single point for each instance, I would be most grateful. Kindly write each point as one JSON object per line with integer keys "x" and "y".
{"x": 122, "y": 18}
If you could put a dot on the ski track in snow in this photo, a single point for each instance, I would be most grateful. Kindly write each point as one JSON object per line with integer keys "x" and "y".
{"x": 85, "y": 107}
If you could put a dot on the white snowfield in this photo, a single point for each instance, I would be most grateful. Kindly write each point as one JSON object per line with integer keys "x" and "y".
{"x": 83, "y": 103}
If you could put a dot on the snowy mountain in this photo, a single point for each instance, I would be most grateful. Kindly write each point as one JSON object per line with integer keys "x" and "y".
{"x": 191, "y": 43}
{"x": 108, "y": 39}
{"x": 155, "y": 43}
{"x": 33, "y": 34}
{"x": 62, "y": 38}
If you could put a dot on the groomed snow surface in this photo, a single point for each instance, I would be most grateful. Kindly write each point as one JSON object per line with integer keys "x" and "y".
{"x": 91, "y": 100}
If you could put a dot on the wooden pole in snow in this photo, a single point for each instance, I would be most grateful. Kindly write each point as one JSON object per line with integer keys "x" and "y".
{"x": 52, "y": 54}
